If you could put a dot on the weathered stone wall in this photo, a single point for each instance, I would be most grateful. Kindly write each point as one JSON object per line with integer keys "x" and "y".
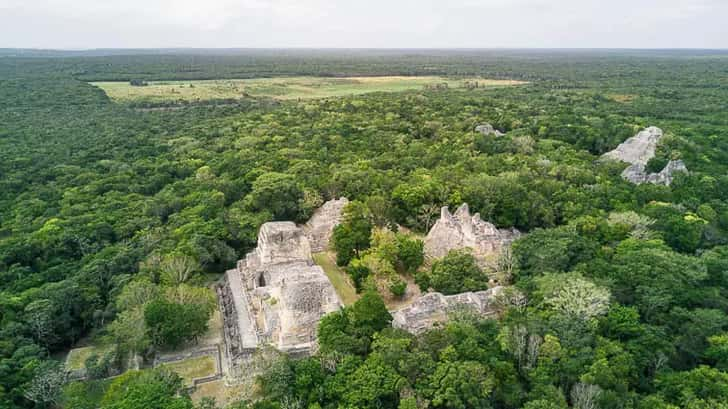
{"x": 461, "y": 230}
{"x": 276, "y": 295}
{"x": 321, "y": 225}
{"x": 282, "y": 242}
{"x": 434, "y": 308}
{"x": 637, "y": 151}
{"x": 487, "y": 129}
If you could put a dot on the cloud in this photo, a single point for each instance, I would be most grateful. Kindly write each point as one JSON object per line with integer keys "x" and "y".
{"x": 372, "y": 23}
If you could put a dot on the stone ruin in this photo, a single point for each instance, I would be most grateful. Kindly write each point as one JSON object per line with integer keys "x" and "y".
{"x": 487, "y": 129}
{"x": 434, "y": 308}
{"x": 461, "y": 230}
{"x": 321, "y": 225}
{"x": 276, "y": 295}
{"x": 637, "y": 151}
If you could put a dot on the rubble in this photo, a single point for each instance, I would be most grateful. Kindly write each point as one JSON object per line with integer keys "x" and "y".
{"x": 487, "y": 129}
{"x": 435, "y": 308}
{"x": 321, "y": 225}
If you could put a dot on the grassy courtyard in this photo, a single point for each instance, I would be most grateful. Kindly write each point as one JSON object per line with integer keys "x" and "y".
{"x": 77, "y": 357}
{"x": 338, "y": 278}
{"x": 193, "y": 368}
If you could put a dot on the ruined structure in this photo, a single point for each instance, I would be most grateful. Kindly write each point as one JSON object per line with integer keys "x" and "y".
{"x": 637, "y": 151}
{"x": 487, "y": 129}
{"x": 275, "y": 296}
{"x": 434, "y": 308}
{"x": 461, "y": 230}
{"x": 321, "y": 225}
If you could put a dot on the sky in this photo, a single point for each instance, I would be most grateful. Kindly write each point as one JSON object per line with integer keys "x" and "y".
{"x": 85, "y": 24}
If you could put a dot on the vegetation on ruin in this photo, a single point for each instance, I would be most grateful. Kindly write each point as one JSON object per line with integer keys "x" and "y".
{"x": 619, "y": 291}
{"x": 193, "y": 368}
{"x": 339, "y": 279}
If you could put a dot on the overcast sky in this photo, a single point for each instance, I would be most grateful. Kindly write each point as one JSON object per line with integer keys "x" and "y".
{"x": 80, "y": 24}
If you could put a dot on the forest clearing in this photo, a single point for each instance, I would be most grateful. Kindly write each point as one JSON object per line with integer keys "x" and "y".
{"x": 283, "y": 88}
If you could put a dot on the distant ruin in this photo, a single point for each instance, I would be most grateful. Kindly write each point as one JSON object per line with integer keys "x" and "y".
{"x": 461, "y": 230}
{"x": 434, "y": 308}
{"x": 637, "y": 151}
{"x": 487, "y": 129}
{"x": 276, "y": 295}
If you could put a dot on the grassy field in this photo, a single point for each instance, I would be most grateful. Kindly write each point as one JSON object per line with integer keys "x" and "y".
{"x": 76, "y": 358}
{"x": 338, "y": 278}
{"x": 192, "y": 368}
{"x": 279, "y": 88}
{"x": 222, "y": 393}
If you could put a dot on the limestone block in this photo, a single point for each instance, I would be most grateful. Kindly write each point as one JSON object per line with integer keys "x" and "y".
{"x": 487, "y": 129}
{"x": 282, "y": 242}
{"x": 637, "y": 151}
{"x": 321, "y": 225}
{"x": 434, "y": 308}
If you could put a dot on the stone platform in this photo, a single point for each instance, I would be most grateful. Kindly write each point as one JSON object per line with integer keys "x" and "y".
{"x": 277, "y": 295}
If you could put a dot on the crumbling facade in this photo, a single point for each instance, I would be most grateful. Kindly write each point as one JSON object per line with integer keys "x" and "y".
{"x": 321, "y": 225}
{"x": 276, "y": 295}
{"x": 461, "y": 230}
{"x": 434, "y": 308}
{"x": 487, "y": 129}
{"x": 637, "y": 151}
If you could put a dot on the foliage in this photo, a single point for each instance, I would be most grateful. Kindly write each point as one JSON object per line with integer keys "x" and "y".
{"x": 353, "y": 234}
{"x": 460, "y": 385}
{"x": 99, "y": 367}
{"x": 165, "y": 327}
{"x": 410, "y": 253}
{"x": 107, "y": 209}
{"x": 350, "y": 329}
{"x": 455, "y": 273}
{"x": 277, "y": 193}
{"x": 156, "y": 388}
{"x": 397, "y": 287}
{"x": 573, "y": 295}
{"x": 46, "y": 386}
{"x": 358, "y": 272}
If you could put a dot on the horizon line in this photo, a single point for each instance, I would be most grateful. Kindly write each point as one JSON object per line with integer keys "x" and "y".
{"x": 361, "y": 48}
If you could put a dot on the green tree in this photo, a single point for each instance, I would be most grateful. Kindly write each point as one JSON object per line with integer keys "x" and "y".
{"x": 374, "y": 384}
{"x": 278, "y": 193}
{"x": 129, "y": 332}
{"x": 154, "y": 389}
{"x": 621, "y": 322}
{"x": 46, "y": 387}
{"x": 455, "y": 273}
{"x": 353, "y": 234}
{"x": 170, "y": 324}
{"x": 551, "y": 250}
{"x": 369, "y": 314}
{"x": 349, "y": 330}
{"x": 700, "y": 388}
{"x": 718, "y": 350}
{"x": 460, "y": 385}
{"x": 358, "y": 271}
{"x": 410, "y": 253}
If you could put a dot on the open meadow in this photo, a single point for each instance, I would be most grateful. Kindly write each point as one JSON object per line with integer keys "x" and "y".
{"x": 284, "y": 88}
